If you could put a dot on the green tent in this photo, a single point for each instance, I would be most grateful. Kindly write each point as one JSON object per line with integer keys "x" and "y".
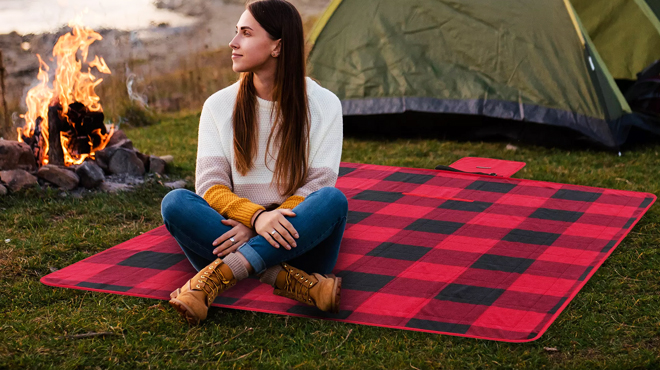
{"x": 521, "y": 60}
{"x": 626, "y": 33}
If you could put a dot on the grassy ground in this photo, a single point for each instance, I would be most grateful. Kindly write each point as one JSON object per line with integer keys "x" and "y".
{"x": 612, "y": 323}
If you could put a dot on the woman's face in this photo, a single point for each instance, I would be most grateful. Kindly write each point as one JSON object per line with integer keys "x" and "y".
{"x": 253, "y": 49}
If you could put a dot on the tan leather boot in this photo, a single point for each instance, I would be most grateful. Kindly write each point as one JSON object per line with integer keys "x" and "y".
{"x": 194, "y": 298}
{"x": 322, "y": 291}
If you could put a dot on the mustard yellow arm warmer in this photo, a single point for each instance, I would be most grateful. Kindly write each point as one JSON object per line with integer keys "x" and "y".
{"x": 230, "y": 205}
{"x": 292, "y": 201}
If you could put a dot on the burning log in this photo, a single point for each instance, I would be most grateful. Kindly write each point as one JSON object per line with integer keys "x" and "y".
{"x": 87, "y": 126}
{"x": 64, "y": 123}
{"x": 55, "y": 152}
{"x": 78, "y": 132}
{"x": 35, "y": 142}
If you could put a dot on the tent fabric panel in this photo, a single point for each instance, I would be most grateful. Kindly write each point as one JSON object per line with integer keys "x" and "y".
{"x": 612, "y": 100}
{"x": 527, "y": 53}
{"x": 597, "y": 129}
{"x": 321, "y": 22}
{"x": 574, "y": 19}
{"x": 625, "y": 32}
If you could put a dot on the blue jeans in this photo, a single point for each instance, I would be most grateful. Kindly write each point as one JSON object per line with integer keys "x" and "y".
{"x": 320, "y": 221}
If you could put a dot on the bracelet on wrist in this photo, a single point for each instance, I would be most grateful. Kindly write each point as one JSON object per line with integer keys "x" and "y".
{"x": 254, "y": 223}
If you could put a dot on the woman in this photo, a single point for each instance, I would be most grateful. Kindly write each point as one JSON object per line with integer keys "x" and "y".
{"x": 267, "y": 161}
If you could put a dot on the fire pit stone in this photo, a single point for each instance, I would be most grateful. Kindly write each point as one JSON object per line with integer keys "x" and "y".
{"x": 114, "y": 187}
{"x": 117, "y": 136}
{"x": 125, "y": 161}
{"x": 156, "y": 165}
{"x": 126, "y": 143}
{"x": 179, "y": 184}
{"x": 91, "y": 175}
{"x": 16, "y": 155}
{"x": 103, "y": 157}
{"x": 63, "y": 178}
{"x": 144, "y": 158}
{"x": 16, "y": 180}
{"x": 3, "y": 190}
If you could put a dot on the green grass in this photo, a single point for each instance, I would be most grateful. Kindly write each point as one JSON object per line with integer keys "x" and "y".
{"x": 614, "y": 322}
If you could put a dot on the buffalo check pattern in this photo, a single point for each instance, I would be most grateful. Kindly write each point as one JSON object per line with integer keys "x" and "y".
{"x": 426, "y": 250}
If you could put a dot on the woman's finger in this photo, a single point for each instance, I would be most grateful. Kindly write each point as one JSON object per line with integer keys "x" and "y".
{"x": 224, "y": 237}
{"x": 289, "y": 227}
{"x": 269, "y": 238}
{"x": 226, "y": 244}
{"x": 279, "y": 238}
{"x": 286, "y": 235}
{"x": 223, "y": 243}
{"x": 229, "y": 222}
{"x": 287, "y": 212}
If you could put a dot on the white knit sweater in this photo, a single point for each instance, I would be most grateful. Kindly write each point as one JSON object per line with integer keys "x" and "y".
{"x": 215, "y": 150}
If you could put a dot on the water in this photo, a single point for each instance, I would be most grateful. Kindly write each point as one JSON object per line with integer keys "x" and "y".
{"x": 38, "y": 16}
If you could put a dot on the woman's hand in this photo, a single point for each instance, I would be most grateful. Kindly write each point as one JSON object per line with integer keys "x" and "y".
{"x": 276, "y": 229}
{"x": 239, "y": 232}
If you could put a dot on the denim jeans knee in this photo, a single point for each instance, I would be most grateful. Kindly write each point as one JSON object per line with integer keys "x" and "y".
{"x": 336, "y": 198}
{"x": 173, "y": 202}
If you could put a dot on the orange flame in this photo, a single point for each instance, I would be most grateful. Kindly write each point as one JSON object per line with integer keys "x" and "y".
{"x": 70, "y": 85}
{"x": 71, "y": 159}
{"x": 37, "y": 100}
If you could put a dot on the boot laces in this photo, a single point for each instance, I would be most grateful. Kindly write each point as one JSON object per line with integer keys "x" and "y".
{"x": 214, "y": 281}
{"x": 298, "y": 285}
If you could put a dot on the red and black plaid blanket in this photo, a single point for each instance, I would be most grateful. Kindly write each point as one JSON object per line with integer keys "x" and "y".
{"x": 427, "y": 250}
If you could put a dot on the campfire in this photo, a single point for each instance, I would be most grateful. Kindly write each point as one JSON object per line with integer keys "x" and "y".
{"x": 64, "y": 142}
{"x": 64, "y": 123}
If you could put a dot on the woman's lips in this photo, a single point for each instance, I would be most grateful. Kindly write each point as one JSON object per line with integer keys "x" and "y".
{"x": 235, "y": 56}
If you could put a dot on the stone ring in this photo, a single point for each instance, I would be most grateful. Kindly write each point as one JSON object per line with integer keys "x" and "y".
{"x": 232, "y": 240}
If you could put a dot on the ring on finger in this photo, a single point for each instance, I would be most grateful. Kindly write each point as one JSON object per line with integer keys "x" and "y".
{"x": 273, "y": 232}
{"x": 232, "y": 240}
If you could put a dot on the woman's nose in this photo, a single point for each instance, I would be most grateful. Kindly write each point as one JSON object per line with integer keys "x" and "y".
{"x": 233, "y": 44}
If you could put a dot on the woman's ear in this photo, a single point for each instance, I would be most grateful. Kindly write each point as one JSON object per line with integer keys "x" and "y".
{"x": 278, "y": 48}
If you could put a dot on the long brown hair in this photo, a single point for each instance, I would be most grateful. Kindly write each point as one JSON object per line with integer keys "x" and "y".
{"x": 290, "y": 109}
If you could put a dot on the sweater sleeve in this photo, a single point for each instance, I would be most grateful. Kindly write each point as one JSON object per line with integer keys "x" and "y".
{"x": 291, "y": 202}
{"x": 230, "y": 205}
{"x": 213, "y": 180}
